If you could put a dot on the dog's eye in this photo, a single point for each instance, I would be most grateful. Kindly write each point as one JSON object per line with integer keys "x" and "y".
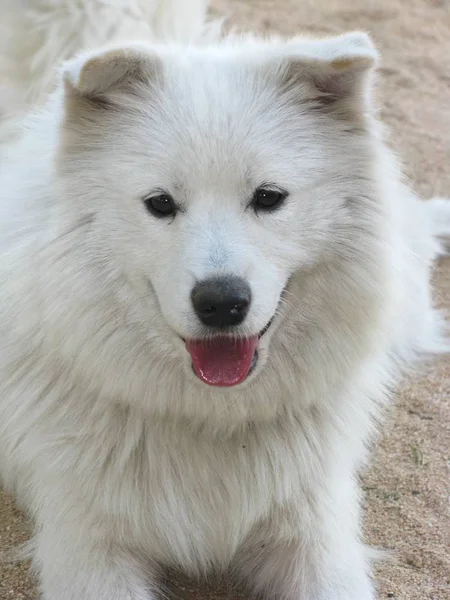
{"x": 161, "y": 205}
{"x": 268, "y": 199}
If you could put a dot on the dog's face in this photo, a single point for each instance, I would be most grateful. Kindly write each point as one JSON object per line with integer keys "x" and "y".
{"x": 219, "y": 175}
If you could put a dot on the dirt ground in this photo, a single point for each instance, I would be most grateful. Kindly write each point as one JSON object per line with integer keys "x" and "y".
{"x": 408, "y": 485}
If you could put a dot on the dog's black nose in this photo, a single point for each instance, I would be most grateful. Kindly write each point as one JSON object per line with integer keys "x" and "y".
{"x": 222, "y": 301}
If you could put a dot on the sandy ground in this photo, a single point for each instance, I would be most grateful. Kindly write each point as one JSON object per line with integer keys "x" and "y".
{"x": 408, "y": 485}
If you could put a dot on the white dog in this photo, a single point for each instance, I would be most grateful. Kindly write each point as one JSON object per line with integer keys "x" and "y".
{"x": 212, "y": 275}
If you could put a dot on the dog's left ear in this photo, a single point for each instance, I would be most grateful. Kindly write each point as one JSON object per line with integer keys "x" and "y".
{"x": 333, "y": 72}
{"x": 97, "y": 76}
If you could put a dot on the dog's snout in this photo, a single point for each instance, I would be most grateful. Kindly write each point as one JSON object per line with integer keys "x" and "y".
{"x": 221, "y": 302}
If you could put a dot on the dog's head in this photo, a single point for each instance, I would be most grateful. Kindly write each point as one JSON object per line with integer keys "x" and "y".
{"x": 220, "y": 176}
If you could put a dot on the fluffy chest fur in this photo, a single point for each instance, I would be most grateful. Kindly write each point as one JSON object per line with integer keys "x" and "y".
{"x": 166, "y": 488}
{"x": 171, "y": 492}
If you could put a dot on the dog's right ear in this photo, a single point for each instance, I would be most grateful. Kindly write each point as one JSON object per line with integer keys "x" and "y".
{"x": 334, "y": 73}
{"x": 97, "y": 77}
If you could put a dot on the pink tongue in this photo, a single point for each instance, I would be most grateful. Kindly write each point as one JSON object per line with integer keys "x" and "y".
{"x": 222, "y": 361}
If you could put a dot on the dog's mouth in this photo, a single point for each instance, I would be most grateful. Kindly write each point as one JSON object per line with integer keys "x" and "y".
{"x": 224, "y": 360}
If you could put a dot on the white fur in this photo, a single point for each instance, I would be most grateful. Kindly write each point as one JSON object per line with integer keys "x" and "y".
{"x": 35, "y": 35}
{"x": 126, "y": 461}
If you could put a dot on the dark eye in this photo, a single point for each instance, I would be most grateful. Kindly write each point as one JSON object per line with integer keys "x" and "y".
{"x": 268, "y": 199}
{"x": 161, "y": 205}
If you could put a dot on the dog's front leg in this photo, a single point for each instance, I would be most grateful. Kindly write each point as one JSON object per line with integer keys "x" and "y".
{"x": 310, "y": 551}
{"x": 72, "y": 567}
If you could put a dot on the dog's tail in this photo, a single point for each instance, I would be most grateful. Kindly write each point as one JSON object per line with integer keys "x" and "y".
{"x": 37, "y": 35}
{"x": 439, "y": 212}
